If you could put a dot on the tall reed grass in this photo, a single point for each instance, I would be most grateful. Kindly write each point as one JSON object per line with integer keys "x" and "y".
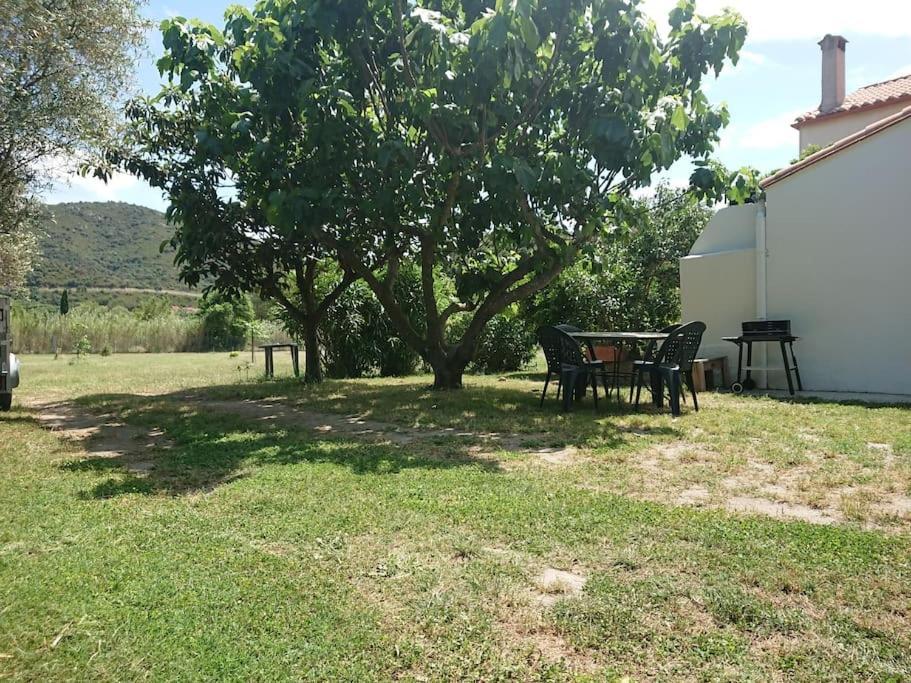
{"x": 112, "y": 330}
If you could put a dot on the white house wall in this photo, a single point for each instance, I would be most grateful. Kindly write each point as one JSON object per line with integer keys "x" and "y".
{"x": 730, "y": 229}
{"x": 839, "y": 243}
{"x": 718, "y": 280}
{"x": 828, "y": 130}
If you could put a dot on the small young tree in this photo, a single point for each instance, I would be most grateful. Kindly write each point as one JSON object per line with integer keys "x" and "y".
{"x": 65, "y": 302}
{"x": 484, "y": 141}
{"x": 230, "y": 243}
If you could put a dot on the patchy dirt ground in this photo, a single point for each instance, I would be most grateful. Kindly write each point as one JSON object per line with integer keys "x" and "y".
{"x": 682, "y": 472}
{"x": 692, "y": 474}
{"x": 105, "y": 436}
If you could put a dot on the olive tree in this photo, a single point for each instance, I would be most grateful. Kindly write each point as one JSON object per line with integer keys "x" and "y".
{"x": 64, "y": 67}
{"x": 485, "y": 142}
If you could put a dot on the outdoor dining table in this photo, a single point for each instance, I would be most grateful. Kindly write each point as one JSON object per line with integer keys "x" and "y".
{"x": 617, "y": 340}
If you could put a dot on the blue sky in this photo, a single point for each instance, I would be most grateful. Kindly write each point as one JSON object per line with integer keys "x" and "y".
{"x": 777, "y": 78}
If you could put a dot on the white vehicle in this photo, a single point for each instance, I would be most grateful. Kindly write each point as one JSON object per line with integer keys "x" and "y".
{"x": 9, "y": 364}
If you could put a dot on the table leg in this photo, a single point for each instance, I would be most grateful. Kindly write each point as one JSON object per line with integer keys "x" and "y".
{"x": 568, "y": 381}
{"x": 618, "y": 355}
{"x": 675, "y": 387}
{"x": 657, "y": 382}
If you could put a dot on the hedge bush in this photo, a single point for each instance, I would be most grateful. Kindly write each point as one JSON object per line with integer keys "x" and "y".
{"x": 357, "y": 338}
{"x": 507, "y": 343}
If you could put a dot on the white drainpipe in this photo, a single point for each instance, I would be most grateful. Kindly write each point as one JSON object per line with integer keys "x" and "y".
{"x": 760, "y": 357}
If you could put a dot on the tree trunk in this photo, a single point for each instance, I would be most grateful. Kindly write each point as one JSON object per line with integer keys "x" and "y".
{"x": 448, "y": 375}
{"x": 313, "y": 371}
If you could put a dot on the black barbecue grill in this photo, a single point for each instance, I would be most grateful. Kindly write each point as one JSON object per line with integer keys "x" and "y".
{"x": 764, "y": 331}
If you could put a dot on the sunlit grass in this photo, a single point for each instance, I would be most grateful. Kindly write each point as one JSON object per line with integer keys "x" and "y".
{"x": 259, "y": 549}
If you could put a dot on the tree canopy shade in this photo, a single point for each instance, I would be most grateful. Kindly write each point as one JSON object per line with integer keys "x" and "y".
{"x": 63, "y": 66}
{"x": 486, "y": 142}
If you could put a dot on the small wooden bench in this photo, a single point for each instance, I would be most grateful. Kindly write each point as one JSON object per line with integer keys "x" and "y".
{"x": 703, "y": 366}
{"x": 270, "y": 360}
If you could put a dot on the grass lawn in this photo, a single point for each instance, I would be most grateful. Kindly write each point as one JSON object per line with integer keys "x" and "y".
{"x": 213, "y": 526}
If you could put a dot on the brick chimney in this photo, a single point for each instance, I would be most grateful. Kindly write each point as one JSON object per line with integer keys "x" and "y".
{"x": 833, "y": 72}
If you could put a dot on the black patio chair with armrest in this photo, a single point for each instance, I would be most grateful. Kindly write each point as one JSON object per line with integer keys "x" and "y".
{"x": 552, "y": 355}
{"x": 565, "y": 360}
{"x": 673, "y": 362}
{"x": 590, "y": 349}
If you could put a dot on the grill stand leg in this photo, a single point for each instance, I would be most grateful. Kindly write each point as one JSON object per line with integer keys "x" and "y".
{"x": 749, "y": 378}
{"x": 796, "y": 369}
{"x": 787, "y": 368}
{"x": 739, "y": 361}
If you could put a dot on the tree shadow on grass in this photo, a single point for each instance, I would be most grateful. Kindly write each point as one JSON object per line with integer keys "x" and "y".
{"x": 195, "y": 440}
{"x": 176, "y": 449}
{"x": 485, "y": 406}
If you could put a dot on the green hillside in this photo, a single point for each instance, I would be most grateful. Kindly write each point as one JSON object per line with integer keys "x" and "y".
{"x": 109, "y": 245}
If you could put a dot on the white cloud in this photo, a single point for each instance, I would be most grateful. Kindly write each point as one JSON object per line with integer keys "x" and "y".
{"x": 806, "y": 19}
{"x": 61, "y": 171}
{"x": 113, "y": 190}
{"x": 773, "y": 133}
{"x": 756, "y": 58}
{"x": 902, "y": 71}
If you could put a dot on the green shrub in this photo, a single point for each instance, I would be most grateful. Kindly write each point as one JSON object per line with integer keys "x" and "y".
{"x": 357, "y": 338}
{"x": 347, "y": 343}
{"x": 507, "y": 343}
{"x": 225, "y": 321}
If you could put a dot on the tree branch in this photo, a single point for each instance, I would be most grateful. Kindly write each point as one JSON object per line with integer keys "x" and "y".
{"x": 456, "y": 307}
{"x": 347, "y": 280}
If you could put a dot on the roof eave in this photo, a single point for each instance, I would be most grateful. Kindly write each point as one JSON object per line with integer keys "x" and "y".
{"x": 837, "y": 147}
{"x": 801, "y": 122}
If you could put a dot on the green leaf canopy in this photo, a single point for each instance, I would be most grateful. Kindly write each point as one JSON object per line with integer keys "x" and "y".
{"x": 487, "y": 141}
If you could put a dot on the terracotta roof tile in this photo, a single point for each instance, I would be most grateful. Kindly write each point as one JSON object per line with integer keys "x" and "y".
{"x": 868, "y": 97}
{"x": 837, "y": 146}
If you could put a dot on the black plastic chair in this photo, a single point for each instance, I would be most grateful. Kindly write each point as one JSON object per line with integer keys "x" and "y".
{"x": 673, "y": 363}
{"x": 565, "y": 360}
{"x": 648, "y": 356}
{"x": 553, "y": 359}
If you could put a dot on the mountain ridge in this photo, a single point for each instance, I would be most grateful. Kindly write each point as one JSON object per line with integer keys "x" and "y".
{"x": 104, "y": 245}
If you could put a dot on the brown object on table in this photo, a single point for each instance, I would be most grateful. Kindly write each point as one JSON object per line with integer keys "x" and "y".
{"x": 618, "y": 340}
{"x": 703, "y": 366}
{"x": 270, "y": 360}
{"x": 608, "y": 353}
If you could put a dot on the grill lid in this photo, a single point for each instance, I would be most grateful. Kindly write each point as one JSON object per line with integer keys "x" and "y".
{"x": 766, "y": 328}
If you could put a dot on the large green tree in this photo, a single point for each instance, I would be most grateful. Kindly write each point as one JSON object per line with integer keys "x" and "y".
{"x": 64, "y": 66}
{"x": 488, "y": 142}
